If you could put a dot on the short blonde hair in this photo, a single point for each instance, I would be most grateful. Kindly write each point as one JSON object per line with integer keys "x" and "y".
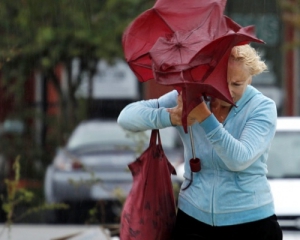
{"x": 250, "y": 57}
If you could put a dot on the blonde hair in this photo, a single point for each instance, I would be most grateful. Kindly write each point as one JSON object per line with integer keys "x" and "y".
{"x": 250, "y": 57}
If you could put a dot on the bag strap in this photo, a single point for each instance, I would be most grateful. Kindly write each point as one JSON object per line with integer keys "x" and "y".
{"x": 155, "y": 133}
{"x": 154, "y": 136}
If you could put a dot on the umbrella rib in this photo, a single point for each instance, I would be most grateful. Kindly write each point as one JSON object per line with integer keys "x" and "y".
{"x": 185, "y": 45}
{"x": 158, "y": 14}
{"x": 204, "y": 22}
{"x": 179, "y": 49}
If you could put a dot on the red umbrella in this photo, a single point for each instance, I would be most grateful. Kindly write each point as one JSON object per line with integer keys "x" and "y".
{"x": 185, "y": 44}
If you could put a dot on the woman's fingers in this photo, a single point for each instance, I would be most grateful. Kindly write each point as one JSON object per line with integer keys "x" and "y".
{"x": 176, "y": 117}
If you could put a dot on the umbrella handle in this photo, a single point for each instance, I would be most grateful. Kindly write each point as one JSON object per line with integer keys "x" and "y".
{"x": 192, "y": 142}
{"x": 195, "y": 163}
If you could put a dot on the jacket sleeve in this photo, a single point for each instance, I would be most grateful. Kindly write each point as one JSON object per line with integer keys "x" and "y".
{"x": 148, "y": 114}
{"x": 259, "y": 130}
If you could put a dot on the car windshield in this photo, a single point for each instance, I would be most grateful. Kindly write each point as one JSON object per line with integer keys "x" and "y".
{"x": 284, "y": 156}
{"x": 108, "y": 135}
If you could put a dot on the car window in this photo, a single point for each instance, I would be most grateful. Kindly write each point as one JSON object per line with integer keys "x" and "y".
{"x": 284, "y": 156}
{"x": 169, "y": 137}
{"x": 110, "y": 133}
{"x": 98, "y": 134}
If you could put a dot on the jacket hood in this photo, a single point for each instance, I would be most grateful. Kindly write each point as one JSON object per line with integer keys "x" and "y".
{"x": 249, "y": 93}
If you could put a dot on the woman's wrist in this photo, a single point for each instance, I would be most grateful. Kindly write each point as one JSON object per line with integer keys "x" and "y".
{"x": 203, "y": 113}
{"x": 173, "y": 124}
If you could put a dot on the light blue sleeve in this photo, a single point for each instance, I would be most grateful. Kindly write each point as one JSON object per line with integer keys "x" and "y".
{"x": 256, "y": 136}
{"x": 148, "y": 114}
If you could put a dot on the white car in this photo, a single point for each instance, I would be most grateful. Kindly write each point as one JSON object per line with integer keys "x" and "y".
{"x": 91, "y": 170}
{"x": 283, "y": 172}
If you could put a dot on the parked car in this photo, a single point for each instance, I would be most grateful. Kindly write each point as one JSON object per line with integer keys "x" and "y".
{"x": 92, "y": 169}
{"x": 283, "y": 172}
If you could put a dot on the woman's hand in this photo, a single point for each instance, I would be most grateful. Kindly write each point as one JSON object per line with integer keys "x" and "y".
{"x": 198, "y": 114}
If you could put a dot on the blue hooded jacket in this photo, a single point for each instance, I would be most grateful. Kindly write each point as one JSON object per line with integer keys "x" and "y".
{"x": 232, "y": 186}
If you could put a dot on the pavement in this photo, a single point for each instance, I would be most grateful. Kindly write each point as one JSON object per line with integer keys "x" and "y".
{"x": 291, "y": 235}
{"x": 75, "y": 232}
{"x": 54, "y": 232}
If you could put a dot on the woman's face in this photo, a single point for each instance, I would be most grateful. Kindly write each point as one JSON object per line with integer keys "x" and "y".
{"x": 238, "y": 77}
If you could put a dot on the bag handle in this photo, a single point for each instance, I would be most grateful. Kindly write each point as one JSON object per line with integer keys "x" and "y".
{"x": 155, "y": 133}
{"x": 154, "y": 136}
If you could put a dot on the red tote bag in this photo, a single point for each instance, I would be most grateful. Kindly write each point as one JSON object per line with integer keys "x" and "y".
{"x": 149, "y": 211}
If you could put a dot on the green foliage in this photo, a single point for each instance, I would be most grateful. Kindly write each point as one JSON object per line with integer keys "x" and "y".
{"x": 291, "y": 16}
{"x": 14, "y": 195}
{"x": 47, "y": 32}
{"x": 36, "y": 37}
{"x": 12, "y": 142}
{"x": 42, "y": 207}
{"x": 17, "y": 196}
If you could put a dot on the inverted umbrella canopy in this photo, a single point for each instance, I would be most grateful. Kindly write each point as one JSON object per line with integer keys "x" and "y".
{"x": 185, "y": 44}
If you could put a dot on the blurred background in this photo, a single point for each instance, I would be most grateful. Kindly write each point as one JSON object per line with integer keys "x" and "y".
{"x": 61, "y": 63}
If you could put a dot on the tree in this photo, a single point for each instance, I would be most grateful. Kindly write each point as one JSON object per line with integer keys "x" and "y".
{"x": 38, "y": 36}
{"x": 291, "y": 16}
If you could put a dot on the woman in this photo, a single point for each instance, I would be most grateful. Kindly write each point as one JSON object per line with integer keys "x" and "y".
{"x": 230, "y": 197}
